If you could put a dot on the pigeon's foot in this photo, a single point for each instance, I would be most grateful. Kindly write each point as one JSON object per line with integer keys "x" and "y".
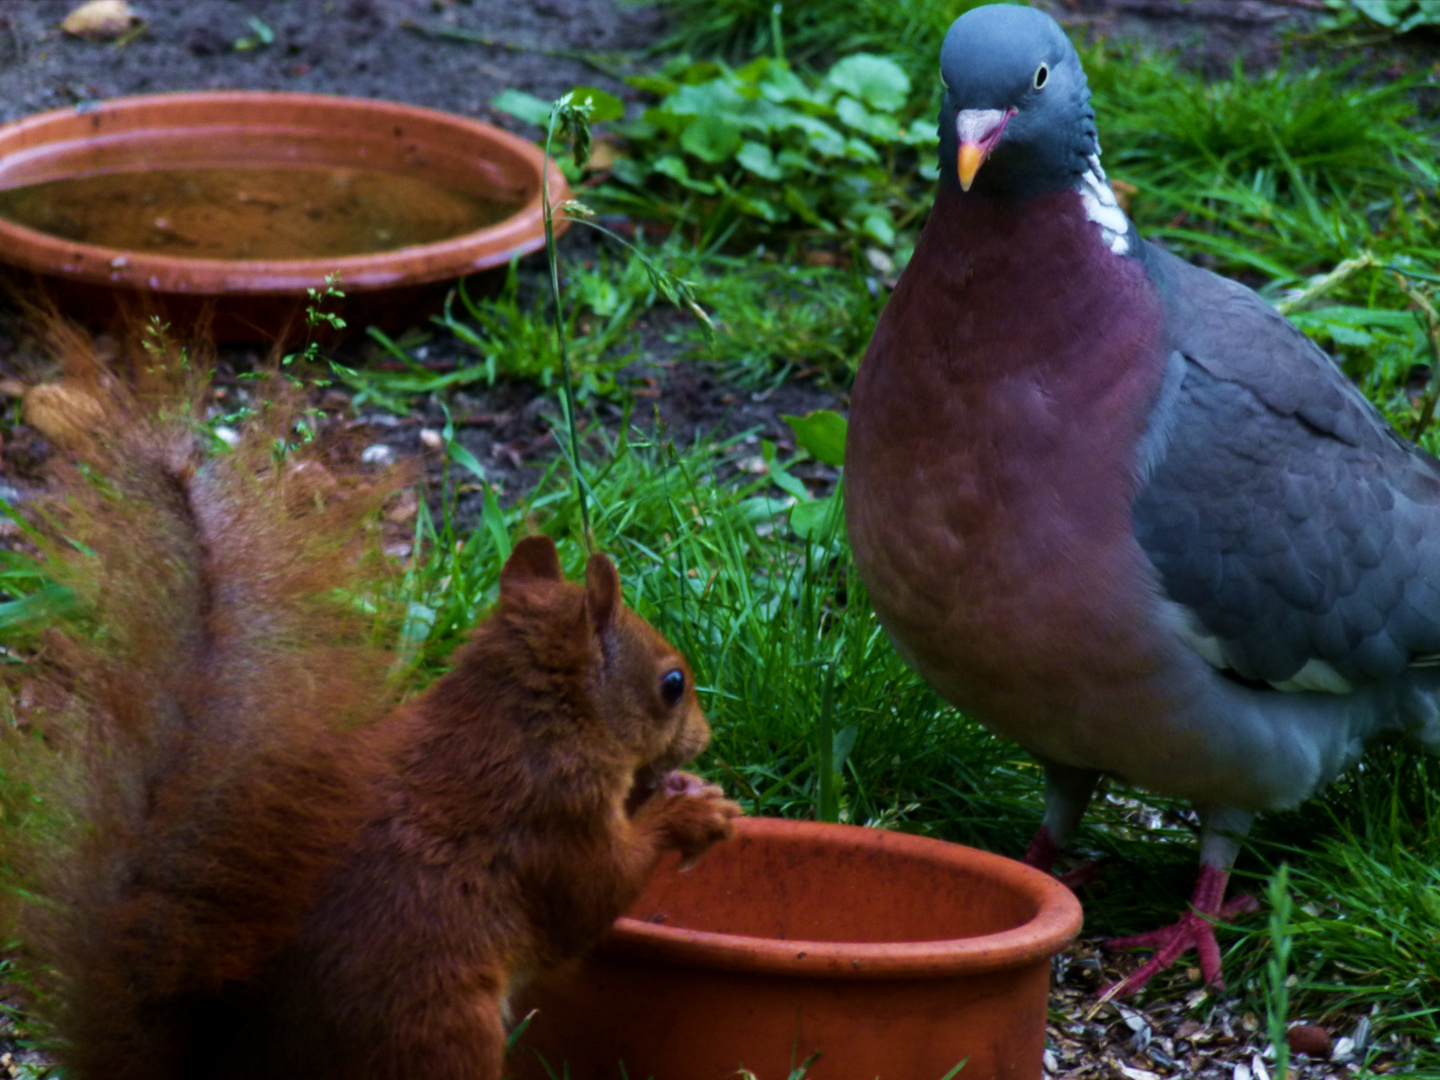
{"x": 1041, "y": 855}
{"x": 1194, "y": 930}
{"x": 1042, "y": 851}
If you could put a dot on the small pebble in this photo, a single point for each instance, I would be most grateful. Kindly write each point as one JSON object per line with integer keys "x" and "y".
{"x": 1309, "y": 1039}
{"x": 378, "y": 454}
{"x": 431, "y": 439}
{"x": 229, "y": 436}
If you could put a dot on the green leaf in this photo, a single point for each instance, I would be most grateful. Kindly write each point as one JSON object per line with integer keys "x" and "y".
{"x": 820, "y": 136}
{"x": 42, "y": 607}
{"x": 821, "y": 433}
{"x": 921, "y": 133}
{"x": 817, "y": 520}
{"x": 714, "y": 99}
{"x": 262, "y": 36}
{"x": 603, "y": 106}
{"x": 791, "y": 485}
{"x": 701, "y": 71}
{"x": 527, "y": 107}
{"x": 844, "y": 743}
{"x": 755, "y": 71}
{"x": 860, "y": 150}
{"x": 494, "y": 519}
{"x": 676, "y": 169}
{"x": 653, "y": 84}
{"x": 855, "y": 115}
{"x": 1379, "y": 10}
{"x": 878, "y": 227}
{"x": 419, "y": 619}
{"x": 800, "y": 202}
{"x": 878, "y": 82}
{"x": 465, "y": 459}
{"x": 758, "y": 159}
{"x": 713, "y": 137}
{"x": 754, "y": 205}
{"x": 1345, "y": 335}
{"x": 781, "y": 85}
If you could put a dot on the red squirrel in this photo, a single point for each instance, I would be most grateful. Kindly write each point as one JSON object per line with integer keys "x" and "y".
{"x": 271, "y": 869}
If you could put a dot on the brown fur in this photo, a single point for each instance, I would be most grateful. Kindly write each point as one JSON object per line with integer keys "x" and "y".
{"x": 273, "y": 870}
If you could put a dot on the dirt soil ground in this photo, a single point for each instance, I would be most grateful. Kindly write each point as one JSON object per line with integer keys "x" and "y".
{"x": 389, "y": 49}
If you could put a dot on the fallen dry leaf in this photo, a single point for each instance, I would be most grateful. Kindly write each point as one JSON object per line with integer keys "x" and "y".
{"x": 97, "y": 20}
{"x": 404, "y": 509}
{"x": 63, "y": 413}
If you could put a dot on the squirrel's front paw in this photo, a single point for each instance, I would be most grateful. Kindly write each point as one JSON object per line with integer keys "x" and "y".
{"x": 692, "y": 815}
{"x": 679, "y": 782}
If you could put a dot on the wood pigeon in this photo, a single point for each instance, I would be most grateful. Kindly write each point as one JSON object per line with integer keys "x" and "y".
{"x": 1115, "y": 507}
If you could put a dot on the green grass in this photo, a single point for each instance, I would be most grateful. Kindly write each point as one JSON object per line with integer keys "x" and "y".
{"x": 810, "y": 31}
{"x": 1281, "y": 175}
{"x": 775, "y": 320}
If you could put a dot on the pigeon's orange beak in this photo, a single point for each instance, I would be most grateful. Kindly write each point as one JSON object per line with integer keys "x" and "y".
{"x": 972, "y": 156}
{"x": 978, "y": 131}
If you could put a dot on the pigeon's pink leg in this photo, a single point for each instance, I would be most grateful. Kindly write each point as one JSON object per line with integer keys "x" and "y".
{"x": 1195, "y": 929}
{"x": 1067, "y": 793}
{"x": 1221, "y": 831}
{"x": 1041, "y": 855}
{"x": 1042, "y": 850}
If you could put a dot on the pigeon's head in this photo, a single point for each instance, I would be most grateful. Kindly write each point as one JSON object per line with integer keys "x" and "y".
{"x": 1015, "y": 118}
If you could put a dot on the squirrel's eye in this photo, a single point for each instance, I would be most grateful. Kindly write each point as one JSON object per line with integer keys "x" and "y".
{"x": 672, "y": 687}
{"x": 1042, "y": 75}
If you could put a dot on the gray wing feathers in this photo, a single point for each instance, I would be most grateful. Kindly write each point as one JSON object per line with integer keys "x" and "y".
{"x": 1232, "y": 333}
{"x": 1282, "y": 511}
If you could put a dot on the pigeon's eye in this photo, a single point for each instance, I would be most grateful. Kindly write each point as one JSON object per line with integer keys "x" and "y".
{"x": 1042, "y": 75}
{"x": 672, "y": 687}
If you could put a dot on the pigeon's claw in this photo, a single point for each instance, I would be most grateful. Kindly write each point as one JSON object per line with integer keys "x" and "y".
{"x": 1195, "y": 929}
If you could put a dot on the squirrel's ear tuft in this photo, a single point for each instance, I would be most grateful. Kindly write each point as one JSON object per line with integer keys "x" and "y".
{"x": 602, "y": 590}
{"x": 534, "y": 559}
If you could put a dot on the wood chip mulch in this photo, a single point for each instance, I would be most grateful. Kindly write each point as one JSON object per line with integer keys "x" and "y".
{"x": 1195, "y": 1034}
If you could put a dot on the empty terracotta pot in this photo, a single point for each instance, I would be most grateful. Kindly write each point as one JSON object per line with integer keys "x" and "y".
{"x": 254, "y": 298}
{"x": 890, "y": 955}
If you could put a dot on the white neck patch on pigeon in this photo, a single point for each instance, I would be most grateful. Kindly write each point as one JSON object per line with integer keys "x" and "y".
{"x": 1102, "y": 209}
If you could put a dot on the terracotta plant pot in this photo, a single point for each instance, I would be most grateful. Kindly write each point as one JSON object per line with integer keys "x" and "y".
{"x": 253, "y": 299}
{"x": 893, "y": 956}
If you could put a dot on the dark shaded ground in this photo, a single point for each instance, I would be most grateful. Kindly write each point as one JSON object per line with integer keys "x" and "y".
{"x": 357, "y": 47}
{"x": 387, "y": 49}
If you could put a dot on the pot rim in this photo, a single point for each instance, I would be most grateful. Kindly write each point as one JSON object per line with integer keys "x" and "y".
{"x": 417, "y": 264}
{"x": 1056, "y": 921}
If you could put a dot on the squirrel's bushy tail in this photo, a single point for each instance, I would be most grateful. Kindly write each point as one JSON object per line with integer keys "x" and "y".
{"x": 189, "y": 748}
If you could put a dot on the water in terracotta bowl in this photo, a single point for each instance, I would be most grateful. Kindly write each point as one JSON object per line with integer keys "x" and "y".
{"x": 239, "y": 202}
{"x": 888, "y": 955}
